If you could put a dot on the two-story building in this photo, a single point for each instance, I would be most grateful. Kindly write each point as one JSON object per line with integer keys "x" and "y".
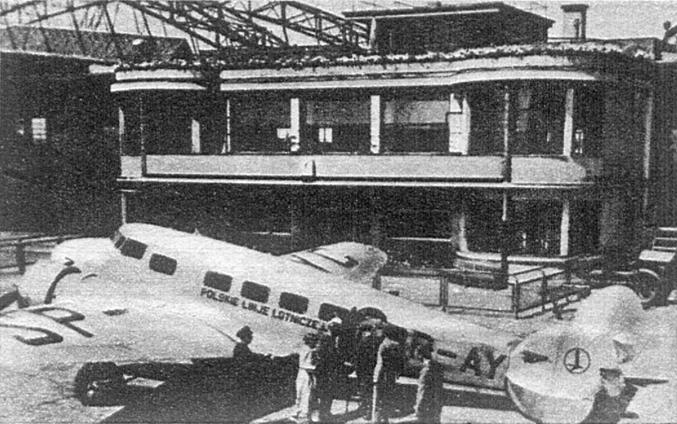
{"x": 462, "y": 118}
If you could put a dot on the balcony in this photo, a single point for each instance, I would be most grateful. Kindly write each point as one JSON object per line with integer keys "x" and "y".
{"x": 352, "y": 169}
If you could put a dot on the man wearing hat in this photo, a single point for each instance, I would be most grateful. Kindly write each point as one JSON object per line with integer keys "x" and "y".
{"x": 241, "y": 353}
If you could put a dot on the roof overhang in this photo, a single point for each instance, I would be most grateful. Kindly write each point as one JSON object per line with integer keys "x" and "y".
{"x": 119, "y": 87}
{"x": 480, "y": 76}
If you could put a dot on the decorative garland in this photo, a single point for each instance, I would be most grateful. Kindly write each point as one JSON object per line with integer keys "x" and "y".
{"x": 282, "y": 58}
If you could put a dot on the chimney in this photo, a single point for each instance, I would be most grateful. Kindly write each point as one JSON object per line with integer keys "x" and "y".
{"x": 574, "y": 20}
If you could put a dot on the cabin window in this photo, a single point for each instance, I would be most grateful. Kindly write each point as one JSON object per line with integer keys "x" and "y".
{"x": 218, "y": 281}
{"x": 293, "y": 302}
{"x": 162, "y": 264}
{"x": 416, "y": 122}
{"x": 255, "y": 292}
{"x": 329, "y": 311}
{"x": 133, "y": 249}
{"x": 337, "y": 124}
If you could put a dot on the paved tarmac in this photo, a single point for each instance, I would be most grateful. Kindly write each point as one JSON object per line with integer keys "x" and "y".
{"x": 210, "y": 396}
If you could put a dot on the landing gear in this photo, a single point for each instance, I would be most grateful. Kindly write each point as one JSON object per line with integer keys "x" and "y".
{"x": 98, "y": 383}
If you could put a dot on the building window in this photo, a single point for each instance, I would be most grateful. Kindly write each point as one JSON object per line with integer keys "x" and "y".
{"x": 416, "y": 122}
{"x": 325, "y": 135}
{"x": 486, "y": 119}
{"x": 588, "y": 121}
{"x": 329, "y": 311}
{"x": 133, "y": 249}
{"x": 539, "y": 120}
{"x": 259, "y": 124}
{"x": 218, "y": 281}
{"x": 255, "y": 292}
{"x": 293, "y": 302}
{"x": 162, "y": 264}
{"x": 535, "y": 227}
{"x": 584, "y": 228}
{"x": 337, "y": 125}
{"x": 39, "y": 130}
{"x": 418, "y": 225}
{"x": 168, "y": 122}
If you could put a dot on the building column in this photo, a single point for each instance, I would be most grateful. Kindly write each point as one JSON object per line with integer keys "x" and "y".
{"x": 508, "y": 118}
{"x": 121, "y": 130}
{"x": 295, "y": 124}
{"x": 568, "y": 122}
{"x": 376, "y": 214}
{"x": 296, "y": 217}
{"x": 143, "y": 133}
{"x": 375, "y": 124}
{"x": 195, "y": 147}
{"x": 462, "y": 228}
{"x": 125, "y": 196}
{"x": 564, "y": 228}
{"x": 648, "y": 133}
{"x": 458, "y": 123}
{"x": 226, "y": 148}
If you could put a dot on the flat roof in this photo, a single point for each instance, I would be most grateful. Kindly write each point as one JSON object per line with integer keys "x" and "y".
{"x": 441, "y": 9}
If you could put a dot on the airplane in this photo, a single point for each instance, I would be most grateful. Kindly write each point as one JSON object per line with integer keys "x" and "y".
{"x": 155, "y": 294}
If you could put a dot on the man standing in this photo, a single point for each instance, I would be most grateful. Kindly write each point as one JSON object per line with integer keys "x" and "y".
{"x": 390, "y": 362}
{"x": 365, "y": 362}
{"x": 305, "y": 380}
{"x": 430, "y": 388}
{"x": 327, "y": 370}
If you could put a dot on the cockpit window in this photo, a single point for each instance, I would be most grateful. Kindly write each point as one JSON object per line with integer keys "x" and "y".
{"x": 163, "y": 264}
{"x": 293, "y": 302}
{"x": 329, "y": 311}
{"x": 255, "y": 292}
{"x": 133, "y": 249}
{"x": 119, "y": 240}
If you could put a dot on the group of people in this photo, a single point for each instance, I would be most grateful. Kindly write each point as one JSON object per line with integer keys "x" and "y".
{"x": 378, "y": 353}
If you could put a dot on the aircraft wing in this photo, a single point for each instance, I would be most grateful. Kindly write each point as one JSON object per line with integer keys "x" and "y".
{"x": 43, "y": 347}
{"x": 353, "y": 261}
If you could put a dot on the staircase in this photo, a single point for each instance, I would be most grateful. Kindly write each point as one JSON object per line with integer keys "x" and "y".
{"x": 665, "y": 239}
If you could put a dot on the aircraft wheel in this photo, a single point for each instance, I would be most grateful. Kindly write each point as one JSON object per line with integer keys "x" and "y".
{"x": 96, "y": 383}
{"x": 650, "y": 288}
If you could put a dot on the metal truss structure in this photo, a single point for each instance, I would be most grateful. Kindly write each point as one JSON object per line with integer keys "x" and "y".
{"x": 207, "y": 24}
{"x": 325, "y": 27}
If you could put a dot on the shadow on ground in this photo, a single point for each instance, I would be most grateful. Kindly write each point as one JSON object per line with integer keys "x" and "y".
{"x": 215, "y": 393}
